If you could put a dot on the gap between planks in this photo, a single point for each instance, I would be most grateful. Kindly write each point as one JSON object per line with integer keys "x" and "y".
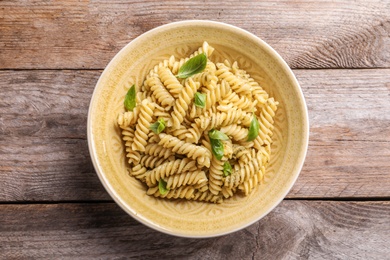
{"x": 64, "y": 202}
{"x": 101, "y": 69}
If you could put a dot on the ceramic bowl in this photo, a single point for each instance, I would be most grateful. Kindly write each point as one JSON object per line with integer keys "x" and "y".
{"x": 189, "y": 218}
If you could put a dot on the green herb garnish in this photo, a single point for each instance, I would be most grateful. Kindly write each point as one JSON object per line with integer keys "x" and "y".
{"x": 158, "y": 126}
{"x": 193, "y": 66}
{"x": 253, "y": 129}
{"x": 130, "y": 100}
{"x": 227, "y": 169}
{"x": 217, "y": 148}
{"x": 200, "y": 100}
{"x": 216, "y": 138}
{"x": 215, "y": 134}
{"x": 162, "y": 187}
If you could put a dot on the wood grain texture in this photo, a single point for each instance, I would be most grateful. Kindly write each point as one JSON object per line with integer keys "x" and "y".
{"x": 349, "y": 149}
{"x": 43, "y": 147}
{"x": 87, "y": 34}
{"x": 44, "y": 153}
{"x": 341, "y": 52}
{"x": 49, "y": 104}
{"x": 48, "y": 170}
{"x": 294, "y": 230}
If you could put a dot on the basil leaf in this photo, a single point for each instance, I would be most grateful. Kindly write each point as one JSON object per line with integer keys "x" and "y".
{"x": 200, "y": 100}
{"x": 227, "y": 169}
{"x": 130, "y": 100}
{"x": 158, "y": 126}
{"x": 215, "y": 134}
{"x": 253, "y": 129}
{"x": 217, "y": 148}
{"x": 162, "y": 187}
{"x": 193, "y": 66}
{"x": 216, "y": 138}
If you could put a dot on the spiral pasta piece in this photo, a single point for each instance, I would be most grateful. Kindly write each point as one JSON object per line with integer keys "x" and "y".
{"x": 239, "y": 150}
{"x": 214, "y": 93}
{"x": 194, "y": 134}
{"x": 237, "y": 84}
{"x": 199, "y": 153}
{"x": 183, "y": 192}
{"x": 128, "y": 137}
{"x": 160, "y": 112}
{"x": 251, "y": 168}
{"x": 238, "y": 117}
{"x": 237, "y": 132}
{"x": 240, "y": 102}
{"x": 154, "y": 71}
{"x": 134, "y": 157}
{"x": 207, "y": 197}
{"x": 158, "y": 150}
{"x": 266, "y": 122}
{"x": 210, "y": 66}
{"x": 181, "y": 105}
{"x": 268, "y": 113}
{"x": 170, "y": 82}
{"x": 220, "y": 92}
{"x": 182, "y": 133}
{"x": 160, "y": 92}
{"x": 227, "y": 149}
{"x": 128, "y": 118}
{"x": 206, "y": 141}
{"x": 212, "y": 120}
{"x": 186, "y": 178}
{"x": 247, "y": 186}
{"x": 242, "y": 173}
{"x": 233, "y": 180}
{"x": 153, "y": 137}
{"x": 258, "y": 92}
{"x": 144, "y": 95}
{"x": 207, "y": 77}
{"x": 168, "y": 169}
{"x": 227, "y": 192}
{"x": 142, "y": 128}
{"x": 264, "y": 154}
{"x": 215, "y": 176}
{"x": 151, "y": 161}
{"x": 202, "y": 187}
{"x": 242, "y": 154}
{"x": 138, "y": 172}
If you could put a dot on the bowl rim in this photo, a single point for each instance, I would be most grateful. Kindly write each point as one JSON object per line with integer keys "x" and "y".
{"x": 110, "y": 190}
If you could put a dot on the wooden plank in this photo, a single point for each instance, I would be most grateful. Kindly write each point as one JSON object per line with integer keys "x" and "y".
{"x": 82, "y": 34}
{"x": 294, "y": 230}
{"x": 349, "y": 147}
{"x": 44, "y": 154}
{"x": 39, "y": 169}
{"x": 49, "y": 104}
{"x": 43, "y": 147}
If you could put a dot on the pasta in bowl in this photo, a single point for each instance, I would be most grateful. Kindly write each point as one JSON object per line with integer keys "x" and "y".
{"x": 218, "y": 124}
{"x": 197, "y": 133}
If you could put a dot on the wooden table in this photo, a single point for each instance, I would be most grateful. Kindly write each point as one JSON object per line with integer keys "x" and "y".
{"x": 52, "y": 203}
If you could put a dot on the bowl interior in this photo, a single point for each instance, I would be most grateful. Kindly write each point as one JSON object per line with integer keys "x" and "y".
{"x": 188, "y": 218}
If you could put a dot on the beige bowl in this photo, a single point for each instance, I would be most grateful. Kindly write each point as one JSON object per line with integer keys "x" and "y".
{"x": 189, "y": 218}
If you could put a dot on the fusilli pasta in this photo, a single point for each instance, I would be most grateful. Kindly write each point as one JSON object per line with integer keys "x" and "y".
{"x": 168, "y": 135}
